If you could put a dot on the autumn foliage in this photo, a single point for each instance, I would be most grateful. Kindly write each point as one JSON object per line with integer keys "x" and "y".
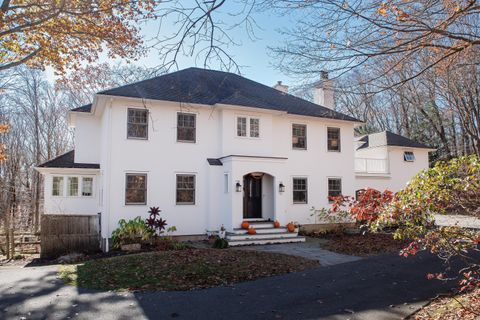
{"x": 62, "y": 33}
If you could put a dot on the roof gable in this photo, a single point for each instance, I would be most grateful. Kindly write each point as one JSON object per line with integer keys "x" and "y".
{"x": 66, "y": 160}
{"x": 210, "y": 87}
{"x": 387, "y": 138}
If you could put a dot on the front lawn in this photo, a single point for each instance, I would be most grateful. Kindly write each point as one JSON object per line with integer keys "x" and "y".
{"x": 180, "y": 270}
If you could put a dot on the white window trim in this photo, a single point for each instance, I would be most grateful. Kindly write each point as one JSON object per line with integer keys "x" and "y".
{"x": 62, "y": 189}
{"x": 340, "y": 139}
{"x": 176, "y": 127}
{"x": 125, "y": 174}
{"x": 226, "y": 182}
{"x": 247, "y": 128}
{"x": 148, "y": 125}
{"x": 195, "y": 203}
{"x": 410, "y": 161}
{"x": 65, "y": 186}
{"x": 308, "y": 196}
{"x": 306, "y": 135}
{"x": 341, "y": 186}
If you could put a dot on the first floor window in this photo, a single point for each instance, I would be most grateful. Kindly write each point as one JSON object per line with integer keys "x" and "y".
{"x": 300, "y": 191}
{"x": 334, "y": 187}
{"x": 87, "y": 186}
{"x": 409, "y": 156}
{"x": 136, "y": 189}
{"x": 185, "y": 189}
{"x": 57, "y": 186}
{"x": 72, "y": 186}
{"x": 186, "y": 127}
{"x": 299, "y": 136}
{"x": 241, "y": 126}
{"x": 137, "y": 124}
{"x": 333, "y": 139}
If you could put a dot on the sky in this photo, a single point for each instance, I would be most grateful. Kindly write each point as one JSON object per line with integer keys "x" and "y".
{"x": 252, "y": 55}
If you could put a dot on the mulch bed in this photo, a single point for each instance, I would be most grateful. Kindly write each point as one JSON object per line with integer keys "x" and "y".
{"x": 188, "y": 269}
{"x": 465, "y": 307}
{"x": 361, "y": 244}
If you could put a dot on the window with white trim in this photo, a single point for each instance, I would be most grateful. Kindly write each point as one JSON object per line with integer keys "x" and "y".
{"x": 186, "y": 127}
{"x": 185, "y": 189}
{"x": 300, "y": 190}
{"x": 248, "y": 127}
{"x": 137, "y": 124}
{"x": 409, "y": 156}
{"x": 334, "y": 188}
{"x": 57, "y": 186}
{"x": 333, "y": 139}
{"x": 299, "y": 136}
{"x": 72, "y": 186}
{"x": 87, "y": 186}
{"x": 136, "y": 188}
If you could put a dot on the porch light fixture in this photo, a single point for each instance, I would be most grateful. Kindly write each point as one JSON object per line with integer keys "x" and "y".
{"x": 281, "y": 187}
{"x": 238, "y": 187}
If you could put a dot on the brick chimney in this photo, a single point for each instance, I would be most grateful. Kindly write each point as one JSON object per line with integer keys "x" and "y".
{"x": 281, "y": 87}
{"x": 323, "y": 91}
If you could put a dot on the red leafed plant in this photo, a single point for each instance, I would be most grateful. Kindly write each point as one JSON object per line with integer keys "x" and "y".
{"x": 154, "y": 222}
{"x": 368, "y": 206}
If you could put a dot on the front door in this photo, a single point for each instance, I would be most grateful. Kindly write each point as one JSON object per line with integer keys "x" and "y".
{"x": 252, "y": 197}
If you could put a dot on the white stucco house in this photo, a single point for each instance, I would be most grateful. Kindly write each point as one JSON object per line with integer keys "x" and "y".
{"x": 212, "y": 148}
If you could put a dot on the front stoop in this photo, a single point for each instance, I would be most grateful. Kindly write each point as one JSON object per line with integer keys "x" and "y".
{"x": 266, "y": 234}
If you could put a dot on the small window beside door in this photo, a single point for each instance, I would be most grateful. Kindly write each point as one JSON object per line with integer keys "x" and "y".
{"x": 409, "y": 156}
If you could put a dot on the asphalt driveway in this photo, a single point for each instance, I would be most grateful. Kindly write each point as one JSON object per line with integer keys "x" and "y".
{"x": 382, "y": 287}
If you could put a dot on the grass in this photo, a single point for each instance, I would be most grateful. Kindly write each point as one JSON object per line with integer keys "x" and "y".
{"x": 465, "y": 306}
{"x": 180, "y": 270}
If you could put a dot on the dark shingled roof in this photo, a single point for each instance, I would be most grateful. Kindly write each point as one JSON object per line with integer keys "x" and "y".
{"x": 389, "y": 139}
{"x": 85, "y": 108}
{"x": 202, "y": 86}
{"x": 66, "y": 160}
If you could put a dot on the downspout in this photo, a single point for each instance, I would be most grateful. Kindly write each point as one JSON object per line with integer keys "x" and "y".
{"x": 107, "y": 174}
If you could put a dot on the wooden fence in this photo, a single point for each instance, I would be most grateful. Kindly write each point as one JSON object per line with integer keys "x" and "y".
{"x": 62, "y": 234}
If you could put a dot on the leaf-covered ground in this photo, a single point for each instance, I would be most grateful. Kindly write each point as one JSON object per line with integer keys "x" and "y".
{"x": 465, "y": 307}
{"x": 361, "y": 245}
{"x": 180, "y": 270}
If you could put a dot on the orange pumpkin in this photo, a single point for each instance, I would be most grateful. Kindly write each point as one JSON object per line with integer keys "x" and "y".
{"x": 276, "y": 224}
{"x": 252, "y": 231}
{"x": 290, "y": 227}
{"x": 245, "y": 225}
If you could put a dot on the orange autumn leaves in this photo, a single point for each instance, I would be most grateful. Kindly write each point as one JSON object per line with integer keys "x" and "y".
{"x": 61, "y": 33}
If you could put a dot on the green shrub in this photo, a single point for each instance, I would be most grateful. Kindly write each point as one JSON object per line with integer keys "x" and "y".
{"x": 220, "y": 243}
{"x": 131, "y": 231}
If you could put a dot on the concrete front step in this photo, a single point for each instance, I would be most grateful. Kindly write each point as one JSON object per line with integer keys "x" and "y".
{"x": 259, "y": 230}
{"x": 265, "y": 235}
{"x": 236, "y": 243}
{"x": 261, "y": 224}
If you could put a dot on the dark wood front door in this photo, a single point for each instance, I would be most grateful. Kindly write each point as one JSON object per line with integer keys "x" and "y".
{"x": 252, "y": 197}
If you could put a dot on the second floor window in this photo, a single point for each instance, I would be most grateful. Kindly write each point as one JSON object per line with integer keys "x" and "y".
{"x": 409, "y": 156}
{"x": 254, "y": 127}
{"x": 248, "y": 127}
{"x": 241, "y": 126}
{"x": 299, "y": 136}
{"x": 186, "y": 127}
{"x": 333, "y": 139}
{"x": 137, "y": 124}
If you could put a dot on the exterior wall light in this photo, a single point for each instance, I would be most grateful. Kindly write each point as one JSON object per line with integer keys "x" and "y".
{"x": 281, "y": 187}
{"x": 238, "y": 187}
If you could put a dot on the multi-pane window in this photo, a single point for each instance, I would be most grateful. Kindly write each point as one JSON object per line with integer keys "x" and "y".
{"x": 136, "y": 189}
{"x": 137, "y": 124}
{"x": 186, "y": 127}
{"x": 185, "y": 189}
{"x": 87, "y": 186}
{"x": 254, "y": 127}
{"x": 409, "y": 156}
{"x": 334, "y": 187}
{"x": 241, "y": 126}
{"x": 57, "y": 186}
{"x": 333, "y": 139}
{"x": 72, "y": 186}
{"x": 299, "y": 136}
{"x": 300, "y": 190}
